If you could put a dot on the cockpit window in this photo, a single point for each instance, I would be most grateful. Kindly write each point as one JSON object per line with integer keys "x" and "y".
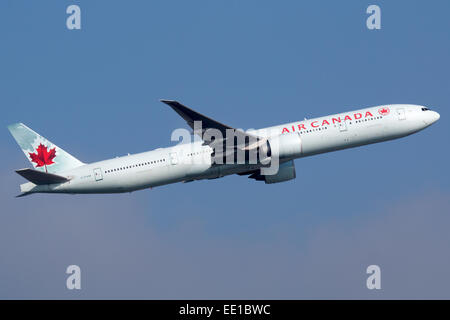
{"x": 425, "y": 109}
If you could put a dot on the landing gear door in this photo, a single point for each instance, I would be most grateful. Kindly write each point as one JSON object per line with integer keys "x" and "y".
{"x": 173, "y": 158}
{"x": 401, "y": 114}
{"x": 98, "y": 174}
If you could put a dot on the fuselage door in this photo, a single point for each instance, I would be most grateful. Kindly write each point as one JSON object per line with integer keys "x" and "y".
{"x": 401, "y": 114}
{"x": 98, "y": 174}
{"x": 342, "y": 126}
{"x": 173, "y": 158}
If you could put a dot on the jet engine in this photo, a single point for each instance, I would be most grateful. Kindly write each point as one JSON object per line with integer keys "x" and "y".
{"x": 286, "y": 172}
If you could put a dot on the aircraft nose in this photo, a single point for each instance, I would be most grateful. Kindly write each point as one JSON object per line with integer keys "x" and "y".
{"x": 430, "y": 117}
{"x": 434, "y": 116}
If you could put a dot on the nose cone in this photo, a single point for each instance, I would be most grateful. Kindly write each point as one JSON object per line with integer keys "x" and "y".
{"x": 434, "y": 116}
{"x": 430, "y": 117}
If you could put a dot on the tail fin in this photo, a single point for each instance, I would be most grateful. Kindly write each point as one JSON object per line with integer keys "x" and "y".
{"x": 43, "y": 155}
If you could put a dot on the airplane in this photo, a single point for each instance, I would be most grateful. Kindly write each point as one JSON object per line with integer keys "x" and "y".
{"x": 268, "y": 153}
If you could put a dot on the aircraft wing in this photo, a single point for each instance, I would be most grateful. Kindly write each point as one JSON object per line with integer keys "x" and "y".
{"x": 190, "y": 116}
{"x": 245, "y": 140}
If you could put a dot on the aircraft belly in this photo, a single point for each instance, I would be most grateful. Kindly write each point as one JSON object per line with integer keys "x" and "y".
{"x": 320, "y": 143}
{"x": 148, "y": 178}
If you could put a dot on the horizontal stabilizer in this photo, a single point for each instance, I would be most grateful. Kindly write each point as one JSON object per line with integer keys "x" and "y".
{"x": 23, "y": 194}
{"x": 39, "y": 177}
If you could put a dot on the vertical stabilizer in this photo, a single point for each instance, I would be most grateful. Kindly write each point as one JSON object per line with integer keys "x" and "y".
{"x": 43, "y": 154}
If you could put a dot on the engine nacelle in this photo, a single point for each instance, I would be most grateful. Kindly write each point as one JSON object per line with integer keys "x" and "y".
{"x": 286, "y": 172}
{"x": 285, "y": 146}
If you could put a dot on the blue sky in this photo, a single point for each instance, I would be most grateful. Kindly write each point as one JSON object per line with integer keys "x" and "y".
{"x": 95, "y": 92}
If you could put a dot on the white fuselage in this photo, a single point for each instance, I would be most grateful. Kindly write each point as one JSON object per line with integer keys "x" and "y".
{"x": 188, "y": 162}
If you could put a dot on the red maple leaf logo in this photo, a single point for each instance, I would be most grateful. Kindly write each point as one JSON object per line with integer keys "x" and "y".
{"x": 43, "y": 157}
{"x": 383, "y": 111}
